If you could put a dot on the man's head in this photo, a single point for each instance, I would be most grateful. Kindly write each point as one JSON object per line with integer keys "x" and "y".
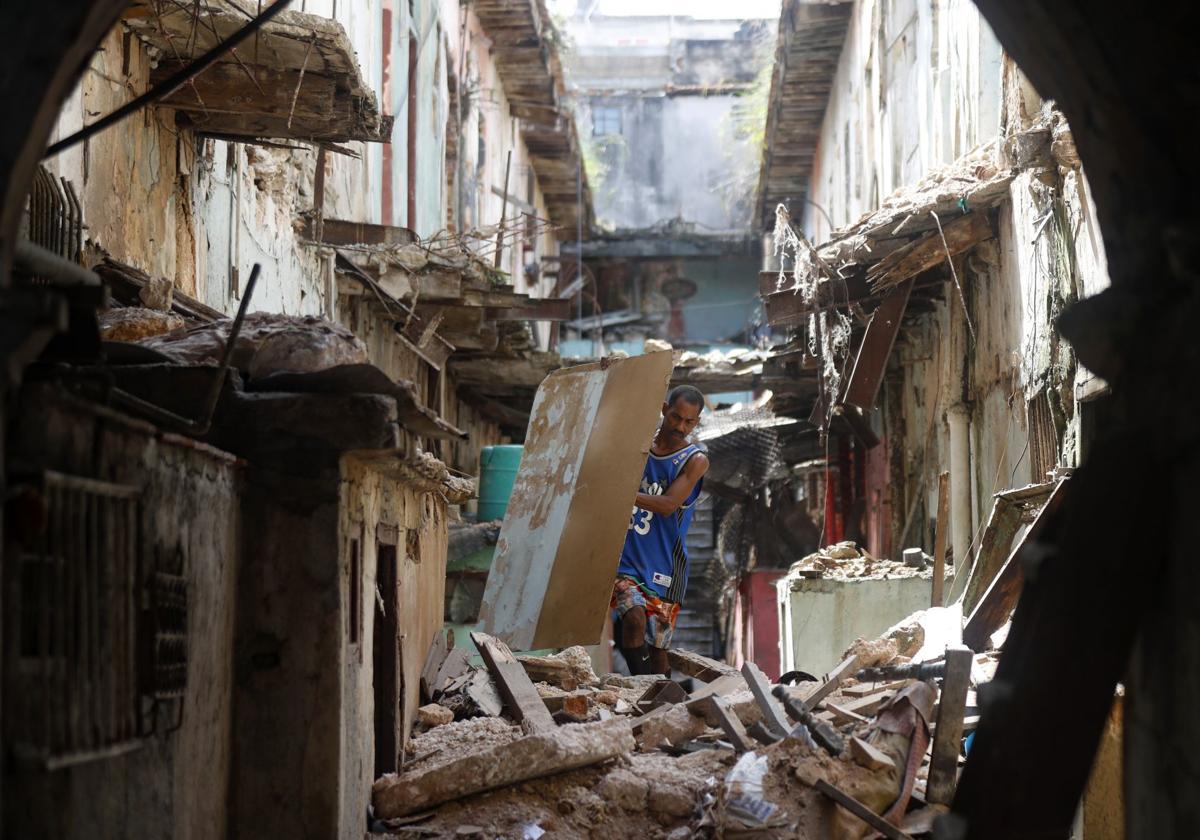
{"x": 681, "y": 413}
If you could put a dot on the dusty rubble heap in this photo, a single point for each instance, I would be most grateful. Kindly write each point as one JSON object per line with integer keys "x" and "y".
{"x": 528, "y": 745}
{"x": 846, "y": 560}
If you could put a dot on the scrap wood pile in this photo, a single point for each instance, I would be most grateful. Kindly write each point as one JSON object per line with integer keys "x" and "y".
{"x": 531, "y": 745}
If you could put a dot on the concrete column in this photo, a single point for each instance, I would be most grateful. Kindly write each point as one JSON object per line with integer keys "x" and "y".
{"x": 959, "y": 419}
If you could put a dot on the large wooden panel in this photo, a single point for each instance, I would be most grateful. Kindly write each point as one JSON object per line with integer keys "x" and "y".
{"x": 556, "y": 559}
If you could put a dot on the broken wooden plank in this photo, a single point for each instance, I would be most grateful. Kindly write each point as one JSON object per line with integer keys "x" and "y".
{"x": 996, "y": 543}
{"x": 833, "y": 679}
{"x": 840, "y": 714}
{"x": 1000, "y": 598}
{"x": 774, "y": 717}
{"x": 663, "y": 691}
{"x": 865, "y": 688}
{"x": 556, "y": 559}
{"x": 524, "y": 703}
{"x": 861, "y": 811}
{"x": 862, "y": 388}
{"x": 701, "y": 667}
{"x": 869, "y": 756}
{"x": 483, "y": 694}
{"x": 939, "y": 540}
{"x": 869, "y": 705}
{"x": 535, "y": 309}
{"x": 929, "y": 250}
{"x": 453, "y": 666}
{"x": 339, "y": 232}
{"x": 730, "y": 724}
{"x": 721, "y": 686}
{"x": 438, "y": 651}
{"x": 531, "y": 757}
{"x": 947, "y": 740}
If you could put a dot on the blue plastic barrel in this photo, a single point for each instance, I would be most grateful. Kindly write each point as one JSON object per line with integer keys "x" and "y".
{"x": 497, "y": 473}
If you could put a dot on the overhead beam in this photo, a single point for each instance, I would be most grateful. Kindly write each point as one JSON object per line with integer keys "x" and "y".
{"x": 876, "y": 348}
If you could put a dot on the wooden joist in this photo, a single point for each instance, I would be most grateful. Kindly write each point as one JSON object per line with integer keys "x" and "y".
{"x": 774, "y": 717}
{"x": 522, "y": 699}
{"x": 876, "y": 348}
{"x": 700, "y": 667}
{"x": 1001, "y": 596}
{"x": 961, "y": 234}
{"x": 947, "y": 740}
{"x": 833, "y": 679}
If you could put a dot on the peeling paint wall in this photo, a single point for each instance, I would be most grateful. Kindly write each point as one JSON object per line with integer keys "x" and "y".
{"x": 175, "y": 783}
{"x": 489, "y": 132}
{"x": 377, "y": 509}
{"x": 919, "y": 84}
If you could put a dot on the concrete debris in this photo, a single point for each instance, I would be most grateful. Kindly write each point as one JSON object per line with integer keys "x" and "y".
{"x": 565, "y": 748}
{"x": 845, "y": 561}
{"x": 134, "y": 323}
{"x": 608, "y": 767}
{"x": 267, "y": 344}
{"x": 567, "y": 669}
{"x": 431, "y": 715}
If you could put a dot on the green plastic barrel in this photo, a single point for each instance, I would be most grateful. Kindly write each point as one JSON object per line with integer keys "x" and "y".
{"x": 497, "y": 473}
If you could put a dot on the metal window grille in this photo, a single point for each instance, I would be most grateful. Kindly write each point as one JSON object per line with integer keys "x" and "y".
{"x": 56, "y": 215}
{"x": 73, "y": 686}
{"x": 168, "y": 616}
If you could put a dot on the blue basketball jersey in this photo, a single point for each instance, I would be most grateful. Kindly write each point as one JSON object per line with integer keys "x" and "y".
{"x": 655, "y": 546}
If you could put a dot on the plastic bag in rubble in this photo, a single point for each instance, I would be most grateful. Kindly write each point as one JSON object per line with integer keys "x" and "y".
{"x": 744, "y": 800}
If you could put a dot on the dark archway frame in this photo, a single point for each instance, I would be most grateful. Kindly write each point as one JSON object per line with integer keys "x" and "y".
{"x": 1116, "y": 576}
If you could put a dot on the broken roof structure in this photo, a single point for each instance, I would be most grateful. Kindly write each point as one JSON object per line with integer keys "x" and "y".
{"x": 526, "y": 52}
{"x": 298, "y": 78}
{"x": 806, "y": 58}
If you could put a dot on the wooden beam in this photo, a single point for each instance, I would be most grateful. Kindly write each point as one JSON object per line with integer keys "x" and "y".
{"x": 947, "y": 739}
{"x": 773, "y": 715}
{"x": 700, "y": 667}
{"x": 1001, "y": 596}
{"x": 994, "y": 546}
{"x": 523, "y": 702}
{"x": 531, "y": 757}
{"x": 924, "y": 253}
{"x": 833, "y": 679}
{"x": 730, "y": 724}
{"x": 861, "y": 811}
{"x": 224, "y": 89}
{"x": 862, "y": 389}
{"x": 339, "y": 232}
{"x": 537, "y": 309}
{"x": 939, "y": 540}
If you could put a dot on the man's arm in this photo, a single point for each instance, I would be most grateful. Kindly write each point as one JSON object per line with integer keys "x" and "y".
{"x": 679, "y": 490}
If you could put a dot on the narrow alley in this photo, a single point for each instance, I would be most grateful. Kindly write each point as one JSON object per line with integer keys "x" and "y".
{"x": 598, "y": 418}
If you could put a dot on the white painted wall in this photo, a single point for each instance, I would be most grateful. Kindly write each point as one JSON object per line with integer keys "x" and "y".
{"x": 820, "y": 618}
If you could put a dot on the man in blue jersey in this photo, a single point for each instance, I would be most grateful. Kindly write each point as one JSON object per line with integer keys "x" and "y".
{"x": 652, "y": 575}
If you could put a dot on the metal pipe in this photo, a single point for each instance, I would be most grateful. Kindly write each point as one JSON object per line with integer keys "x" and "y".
{"x": 959, "y": 419}
{"x": 171, "y": 84}
{"x": 47, "y": 265}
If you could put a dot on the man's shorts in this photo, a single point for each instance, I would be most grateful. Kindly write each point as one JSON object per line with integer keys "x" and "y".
{"x": 660, "y": 615}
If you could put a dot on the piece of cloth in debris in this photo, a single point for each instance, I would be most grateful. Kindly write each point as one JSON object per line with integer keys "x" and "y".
{"x": 901, "y": 731}
{"x": 660, "y": 615}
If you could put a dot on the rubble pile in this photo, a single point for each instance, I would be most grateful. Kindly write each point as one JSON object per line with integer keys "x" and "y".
{"x": 845, "y": 561}
{"x": 533, "y": 745}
